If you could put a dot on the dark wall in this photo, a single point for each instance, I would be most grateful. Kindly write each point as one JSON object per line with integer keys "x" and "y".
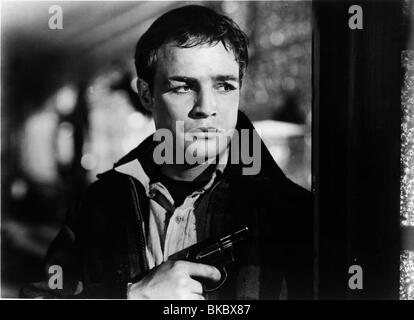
{"x": 357, "y": 85}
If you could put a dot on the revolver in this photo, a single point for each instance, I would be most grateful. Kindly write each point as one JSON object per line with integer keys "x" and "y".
{"x": 215, "y": 252}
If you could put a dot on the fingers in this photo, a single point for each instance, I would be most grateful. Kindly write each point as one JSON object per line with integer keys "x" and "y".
{"x": 199, "y": 297}
{"x": 193, "y": 297}
{"x": 200, "y": 270}
{"x": 195, "y": 287}
{"x": 173, "y": 280}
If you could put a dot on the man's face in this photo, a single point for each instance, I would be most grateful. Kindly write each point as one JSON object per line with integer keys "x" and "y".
{"x": 198, "y": 86}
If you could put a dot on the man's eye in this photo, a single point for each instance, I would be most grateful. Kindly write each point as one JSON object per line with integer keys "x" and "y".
{"x": 181, "y": 89}
{"x": 225, "y": 87}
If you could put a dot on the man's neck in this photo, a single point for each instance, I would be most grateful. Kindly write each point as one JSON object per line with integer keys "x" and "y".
{"x": 189, "y": 173}
{"x": 199, "y": 172}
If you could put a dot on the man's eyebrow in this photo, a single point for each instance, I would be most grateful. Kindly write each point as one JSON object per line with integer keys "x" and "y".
{"x": 181, "y": 79}
{"x": 224, "y": 77}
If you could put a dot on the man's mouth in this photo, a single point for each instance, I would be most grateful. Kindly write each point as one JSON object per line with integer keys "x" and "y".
{"x": 205, "y": 129}
{"x": 204, "y": 132}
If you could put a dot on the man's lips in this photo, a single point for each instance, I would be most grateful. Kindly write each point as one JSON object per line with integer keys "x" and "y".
{"x": 205, "y": 132}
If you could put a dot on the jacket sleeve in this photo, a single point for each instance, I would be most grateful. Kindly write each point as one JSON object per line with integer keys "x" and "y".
{"x": 68, "y": 251}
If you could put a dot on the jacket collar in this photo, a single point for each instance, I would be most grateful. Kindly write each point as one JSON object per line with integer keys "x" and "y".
{"x": 139, "y": 163}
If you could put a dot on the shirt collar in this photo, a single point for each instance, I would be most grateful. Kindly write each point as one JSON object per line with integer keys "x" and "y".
{"x": 143, "y": 166}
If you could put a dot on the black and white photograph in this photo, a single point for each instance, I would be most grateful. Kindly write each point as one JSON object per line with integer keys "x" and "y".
{"x": 207, "y": 150}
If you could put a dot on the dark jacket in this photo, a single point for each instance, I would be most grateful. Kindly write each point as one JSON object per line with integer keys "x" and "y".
{"x": 102, "y": 245}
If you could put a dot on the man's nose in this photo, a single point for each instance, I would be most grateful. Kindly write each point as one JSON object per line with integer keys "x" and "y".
{"x": 205, "y": 106}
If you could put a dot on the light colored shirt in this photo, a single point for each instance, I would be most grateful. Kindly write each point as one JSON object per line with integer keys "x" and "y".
{"x": 168, "y": 233}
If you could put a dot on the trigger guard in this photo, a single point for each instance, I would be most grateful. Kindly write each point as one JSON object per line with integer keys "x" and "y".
{"x": 218, "y": 284}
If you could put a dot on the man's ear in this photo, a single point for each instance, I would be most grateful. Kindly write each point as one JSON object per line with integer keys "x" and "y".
{"x": 144, "y": 94}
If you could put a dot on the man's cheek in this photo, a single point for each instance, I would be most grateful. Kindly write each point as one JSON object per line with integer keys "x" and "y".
{"x": 229, "y": 118}
{"x": 177, "y": 103}
{"x": 230, "y": 107}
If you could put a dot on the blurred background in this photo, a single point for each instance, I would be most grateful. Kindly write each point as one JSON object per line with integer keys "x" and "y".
{"x": 68, "y": 111}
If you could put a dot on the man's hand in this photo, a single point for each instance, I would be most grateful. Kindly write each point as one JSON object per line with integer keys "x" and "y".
{"x": 174, "y": 280}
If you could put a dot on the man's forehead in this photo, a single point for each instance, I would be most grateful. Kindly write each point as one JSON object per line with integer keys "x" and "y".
{"x": 210, "y": 59}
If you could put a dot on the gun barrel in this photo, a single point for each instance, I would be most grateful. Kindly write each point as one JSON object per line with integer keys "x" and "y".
{"x": 234, "y": 238}
{"x": 210, "y": 247}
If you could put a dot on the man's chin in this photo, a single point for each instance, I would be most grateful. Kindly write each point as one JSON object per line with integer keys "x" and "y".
{"x": 200, "y": 155}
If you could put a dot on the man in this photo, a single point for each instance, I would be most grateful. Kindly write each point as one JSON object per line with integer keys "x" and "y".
{"x": 117, "y": 240}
